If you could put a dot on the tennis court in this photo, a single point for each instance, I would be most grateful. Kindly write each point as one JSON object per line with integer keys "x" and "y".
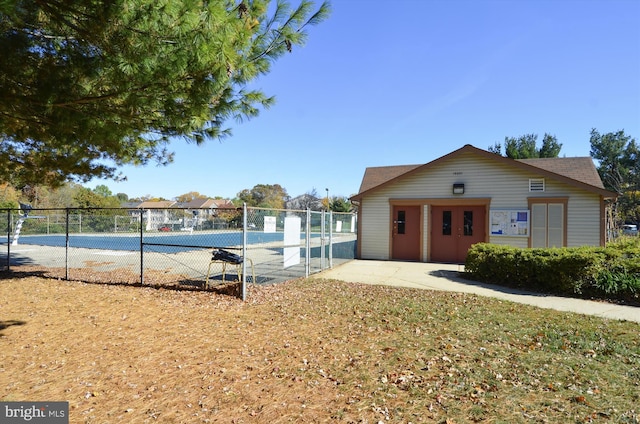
{"x": 271, "y": 252}
{"x": 165, "y": 243}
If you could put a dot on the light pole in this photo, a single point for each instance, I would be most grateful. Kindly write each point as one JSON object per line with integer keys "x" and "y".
{"x": 328, "y": 205}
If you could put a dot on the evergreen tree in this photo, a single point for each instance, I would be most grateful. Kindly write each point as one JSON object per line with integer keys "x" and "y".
{"x": 340, "y": 204}
{"x": 524, "y": 147}
{"x": 89, "y": 85}
{"x": 618, "y": 157}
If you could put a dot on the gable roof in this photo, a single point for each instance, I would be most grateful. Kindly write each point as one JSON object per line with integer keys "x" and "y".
{"x": 579, "y": 168}
{"x": 578, "y": 172}
{"x": 200, "y": 203}
{"x": 193, "y": 204}
{"x": 222, "y": 204}
{"x": 373, "y": 177}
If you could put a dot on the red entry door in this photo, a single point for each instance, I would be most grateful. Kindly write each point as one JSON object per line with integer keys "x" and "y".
{"x": 454, "y": 229}
{"x": 406, "y": 233}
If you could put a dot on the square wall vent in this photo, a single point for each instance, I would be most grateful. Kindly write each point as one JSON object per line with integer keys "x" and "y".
{"x": 536, "y": 184}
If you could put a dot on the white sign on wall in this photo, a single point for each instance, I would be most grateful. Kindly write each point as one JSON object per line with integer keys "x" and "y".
{"x": 505, "y": 222}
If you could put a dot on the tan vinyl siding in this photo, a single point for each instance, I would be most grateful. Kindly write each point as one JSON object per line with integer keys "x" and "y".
{"x": 521, "y": 242}
{"x": 481, "y": 179}
{"x": 583, "y": 214}
{"x": 374, "y": 233}
{"x": 583, "y": 220}
{"x": 507, "y": 187}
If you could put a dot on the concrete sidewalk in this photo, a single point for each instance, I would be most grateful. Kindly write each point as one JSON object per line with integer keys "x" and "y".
{"x": 446, "y": 277}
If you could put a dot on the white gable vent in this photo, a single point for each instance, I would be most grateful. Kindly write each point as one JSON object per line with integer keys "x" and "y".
{"x": 536, "y": 184}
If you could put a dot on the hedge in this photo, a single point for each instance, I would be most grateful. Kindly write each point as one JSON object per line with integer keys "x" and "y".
{"x": 611, "y": 273}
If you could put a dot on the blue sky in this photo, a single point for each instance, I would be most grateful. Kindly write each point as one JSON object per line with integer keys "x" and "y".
{"x": 405, "y": 82}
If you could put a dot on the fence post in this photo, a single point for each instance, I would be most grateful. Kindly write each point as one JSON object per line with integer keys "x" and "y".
{"x": 244, "y": 252}
{"x": 307, "y": 241}
{"x": 330, "y": 239}
{"x": 141, "y": 248}
{"x": 323, "y": 245}
{"x": 66, "y": 246}
{"x": 8, "y": 239}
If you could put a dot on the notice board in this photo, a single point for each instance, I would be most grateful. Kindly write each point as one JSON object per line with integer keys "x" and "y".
{"x": 509, "y": 222}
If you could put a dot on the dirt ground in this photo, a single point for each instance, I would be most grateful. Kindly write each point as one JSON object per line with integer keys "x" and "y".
{"x": 134, "y": 354}
{"x": 131, "y": 354}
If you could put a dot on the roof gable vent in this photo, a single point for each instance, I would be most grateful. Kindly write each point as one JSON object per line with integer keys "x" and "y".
{"x": 536, "y": 184}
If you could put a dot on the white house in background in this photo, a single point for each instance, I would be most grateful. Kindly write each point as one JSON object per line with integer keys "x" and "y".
{"x": 178, "y": 215}
{"x": 157, "y": 213}
{"x": 434, "y": 212}
{"x": 200, "y": 210}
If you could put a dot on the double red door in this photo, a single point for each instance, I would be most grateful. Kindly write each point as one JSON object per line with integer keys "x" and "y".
{"x": 454, "y": 229}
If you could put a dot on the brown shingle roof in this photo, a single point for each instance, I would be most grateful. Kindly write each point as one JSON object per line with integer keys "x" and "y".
{"x": 223, "y": 204}
{"x": 156, "y": 204}
{"x": 375, "y": 176}
{"x": 580, "y": 168}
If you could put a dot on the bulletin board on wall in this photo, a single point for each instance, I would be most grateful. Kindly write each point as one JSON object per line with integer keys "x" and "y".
{"x": 509, "y": 222}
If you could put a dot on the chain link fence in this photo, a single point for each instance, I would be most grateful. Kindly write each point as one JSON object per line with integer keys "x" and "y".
{"x": 189, "y": 249}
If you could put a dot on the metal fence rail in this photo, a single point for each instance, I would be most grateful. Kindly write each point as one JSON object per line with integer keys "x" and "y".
{"x": 174, "y": 247}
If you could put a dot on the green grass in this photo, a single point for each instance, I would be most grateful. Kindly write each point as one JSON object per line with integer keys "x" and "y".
{"x": 409, "y": 355}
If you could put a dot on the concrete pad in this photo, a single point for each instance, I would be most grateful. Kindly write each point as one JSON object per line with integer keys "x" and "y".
{"x": 447, "y": 277}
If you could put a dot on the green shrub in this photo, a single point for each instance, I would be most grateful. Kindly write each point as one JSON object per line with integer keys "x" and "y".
{"x": 608, "y": 273}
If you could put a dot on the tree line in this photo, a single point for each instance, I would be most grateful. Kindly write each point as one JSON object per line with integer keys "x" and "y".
{"x": 74, "y": 195}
